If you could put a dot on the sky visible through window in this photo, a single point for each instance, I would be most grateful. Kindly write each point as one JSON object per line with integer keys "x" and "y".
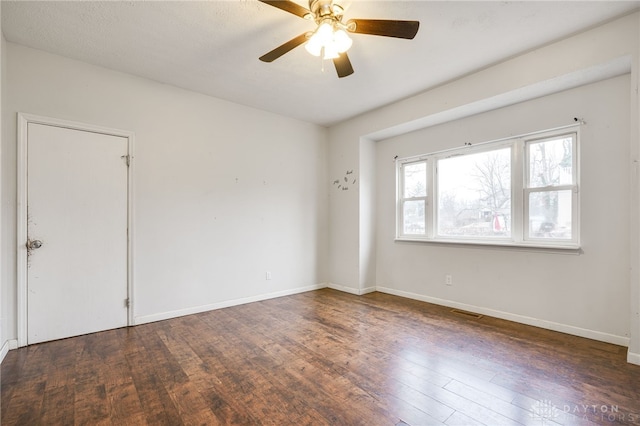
{"x": 474, "y": 194}
{"x": 515, "y": 191}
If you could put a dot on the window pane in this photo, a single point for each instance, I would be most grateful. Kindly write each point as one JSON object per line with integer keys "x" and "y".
{"x": 551, "y": 162}
{"x": 415, "y": 180}
{"x": 474, "y": 195}
{"x": 413, "y": 217}
{"x": 550, "y": 214}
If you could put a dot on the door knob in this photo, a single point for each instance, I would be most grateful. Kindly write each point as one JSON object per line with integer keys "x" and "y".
{"x": 35, "y": 244}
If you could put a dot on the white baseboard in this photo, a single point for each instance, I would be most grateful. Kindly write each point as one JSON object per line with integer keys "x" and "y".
{"x": 219, "y": 305}
{"x": 4, "y": 350}
{"x": 6, "y": 347}
{"x": 343, "y": 288}
{"x": 633, "y": 358}
{"x": 549, "y": 325}
{"x": 352, "y": 290}
{"x": 367, "y": 290}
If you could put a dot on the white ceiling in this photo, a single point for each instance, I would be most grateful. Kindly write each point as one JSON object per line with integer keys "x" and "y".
{"x": 212, "y": 47}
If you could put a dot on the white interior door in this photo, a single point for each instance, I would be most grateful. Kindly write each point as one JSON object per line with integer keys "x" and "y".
{"x": 77, "y": 215}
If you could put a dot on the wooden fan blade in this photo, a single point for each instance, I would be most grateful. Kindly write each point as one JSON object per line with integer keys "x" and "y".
{"x": 343, "y": 65}
{"x": 281, "y": 50}
{"x": 383, "y": 27}
{"x": 288, "y": 6}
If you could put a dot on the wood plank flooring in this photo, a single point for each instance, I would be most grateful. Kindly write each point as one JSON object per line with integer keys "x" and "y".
{"x": 322, "y": 358}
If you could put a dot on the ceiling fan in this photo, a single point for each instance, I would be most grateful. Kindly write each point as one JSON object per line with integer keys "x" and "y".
{"x": 330, "y": 39}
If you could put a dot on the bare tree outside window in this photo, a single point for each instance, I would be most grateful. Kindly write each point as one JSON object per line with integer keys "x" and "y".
{"x": 550, "y": 205}
{"x": 474, "y": 194}
{"x": 521, "y": 191}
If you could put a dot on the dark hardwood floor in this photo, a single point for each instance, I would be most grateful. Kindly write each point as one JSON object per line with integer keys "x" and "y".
{"x": 322, "y": 357}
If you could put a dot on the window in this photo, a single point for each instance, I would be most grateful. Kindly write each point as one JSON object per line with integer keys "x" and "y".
{"x": 474, "y": 194}
{"x": 414, "y": 198}
{"x": 551, "y": 191}
{"x": 520, "y": 191}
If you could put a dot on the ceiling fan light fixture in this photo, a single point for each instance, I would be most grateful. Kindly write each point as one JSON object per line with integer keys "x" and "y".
{"x": 341, "y": 40}
{"x": 331, "y": 37}
{"x": 329, "y": 40}
{"x": 330, "y": 53}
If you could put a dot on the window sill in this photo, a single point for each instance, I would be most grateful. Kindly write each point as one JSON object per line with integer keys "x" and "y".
{"x": 566, "y": 248}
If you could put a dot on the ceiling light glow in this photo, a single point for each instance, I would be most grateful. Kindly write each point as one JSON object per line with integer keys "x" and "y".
{"x": 328, "y": 40}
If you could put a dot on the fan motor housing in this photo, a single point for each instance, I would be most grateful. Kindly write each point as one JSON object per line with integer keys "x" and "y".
{"x": 323, "y": 8}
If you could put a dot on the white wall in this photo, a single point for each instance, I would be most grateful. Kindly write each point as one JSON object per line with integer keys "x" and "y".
{"x": 344, "y": 240}
{"x": 368, "y": 215}
{"x": 205, "y": 239}
{"x": 4, "y": 346}
{"x": 223, "y": 193}
{"x": 598, "y": 54}
{"x": 571, "y": 293}
{"x": 633, "y": 354}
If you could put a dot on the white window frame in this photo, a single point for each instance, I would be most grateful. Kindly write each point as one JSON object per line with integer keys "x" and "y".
{"x": 480, "y": 148}
{"x": 519, "y": 193}
{"x": 401, "y": 200}
{"x": 573, "y": 187}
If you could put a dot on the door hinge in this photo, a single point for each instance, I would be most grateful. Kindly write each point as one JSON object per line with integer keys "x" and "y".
{"x": 127, "y": 302}
{"x": 127, "y": 159}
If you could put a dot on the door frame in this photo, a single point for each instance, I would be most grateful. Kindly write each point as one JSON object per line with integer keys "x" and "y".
{"x": 24, "y": 120}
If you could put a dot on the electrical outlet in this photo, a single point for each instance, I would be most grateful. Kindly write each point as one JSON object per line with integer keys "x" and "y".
{"x": 267, "y": 275}
{"x": 448, "y": 279}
